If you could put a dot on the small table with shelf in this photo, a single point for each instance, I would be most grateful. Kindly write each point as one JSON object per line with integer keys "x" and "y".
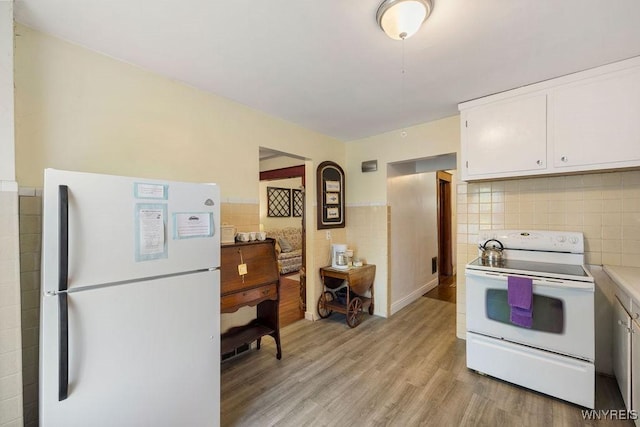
{"x": 359, "y": 283}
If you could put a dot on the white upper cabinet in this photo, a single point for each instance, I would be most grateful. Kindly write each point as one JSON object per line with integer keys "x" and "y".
{"x": 581, "y": 122}
{"x": 508, "y": 137}
{"x": 596, "y": 122}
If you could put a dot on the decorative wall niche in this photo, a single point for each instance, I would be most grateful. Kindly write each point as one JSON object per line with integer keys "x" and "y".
{"x": 331, "y": 199}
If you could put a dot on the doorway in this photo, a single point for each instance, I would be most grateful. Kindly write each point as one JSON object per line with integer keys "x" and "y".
{"x": 286, "y": 173}
{"x": 421, "y": 229}
{"x": 446, "y": 289}
{"x": 445, "y": 249}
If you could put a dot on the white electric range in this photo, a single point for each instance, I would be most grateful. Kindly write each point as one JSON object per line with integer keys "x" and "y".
{"x": 556, "y": 354}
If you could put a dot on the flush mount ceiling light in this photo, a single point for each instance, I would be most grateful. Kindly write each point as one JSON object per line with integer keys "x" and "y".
{"x": 400, "y": 19}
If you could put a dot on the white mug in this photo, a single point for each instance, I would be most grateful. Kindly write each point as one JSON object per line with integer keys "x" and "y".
{"x": 252, "y": 235}
{"x": 261, "y": 235}
{"x": 242, "y": 237}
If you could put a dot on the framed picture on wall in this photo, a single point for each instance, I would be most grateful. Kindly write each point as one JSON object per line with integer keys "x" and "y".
{"x": 332, "y": 186}
{"x": 331, "y": 199}
{"x": 333, "y": 213}
{"x": 278, "y": 202}
{"x": 296, "y": 202}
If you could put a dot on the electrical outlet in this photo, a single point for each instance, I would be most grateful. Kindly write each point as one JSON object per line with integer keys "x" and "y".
{"x": 328, "y": 235}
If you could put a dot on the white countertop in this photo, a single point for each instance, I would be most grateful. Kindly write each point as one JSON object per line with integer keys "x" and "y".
{"x": 628, "y": 278}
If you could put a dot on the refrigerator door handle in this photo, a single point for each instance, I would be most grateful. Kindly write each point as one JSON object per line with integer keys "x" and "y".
{"x": 63, "y": 275}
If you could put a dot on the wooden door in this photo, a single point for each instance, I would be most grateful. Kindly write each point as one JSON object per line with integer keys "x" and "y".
{"x": 445, "y": 262}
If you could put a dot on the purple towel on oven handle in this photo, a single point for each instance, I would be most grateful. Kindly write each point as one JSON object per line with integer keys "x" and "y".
{"x": 521, "y": 312}
{"x": 521, "y": 317}
{"x": 520, "y": 298}
{"x": 520, "y": 292}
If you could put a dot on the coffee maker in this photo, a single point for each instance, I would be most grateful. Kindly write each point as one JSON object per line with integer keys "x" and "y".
{"x": 338, "y": 256}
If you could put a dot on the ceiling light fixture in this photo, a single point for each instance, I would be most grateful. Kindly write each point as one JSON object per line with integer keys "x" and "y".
{"x": 400, "y": 19}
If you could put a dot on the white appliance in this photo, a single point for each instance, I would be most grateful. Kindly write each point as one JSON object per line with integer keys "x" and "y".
{"x": 339, "y": 256}
{"x": 129, "y": 326}
{"x": 556, "y": 354}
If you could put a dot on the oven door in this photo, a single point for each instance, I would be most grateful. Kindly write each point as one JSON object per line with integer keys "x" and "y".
{"x": 563, "y": 313}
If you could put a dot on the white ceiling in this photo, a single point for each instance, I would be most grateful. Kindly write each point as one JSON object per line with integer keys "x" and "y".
{"x": 325, "y": 64}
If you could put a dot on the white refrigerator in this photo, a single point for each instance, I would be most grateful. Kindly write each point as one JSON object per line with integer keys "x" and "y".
{"x": 129, "y": 326}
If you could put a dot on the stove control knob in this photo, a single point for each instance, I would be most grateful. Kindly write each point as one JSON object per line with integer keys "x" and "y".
{"x": 573, "y": 240}
{"x": 561, "y": 239}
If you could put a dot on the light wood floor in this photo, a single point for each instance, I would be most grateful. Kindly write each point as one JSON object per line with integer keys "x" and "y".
{"x": 408, "y": 370}
{"x": 445, "y": 291}
{"x": 289, "y": 301}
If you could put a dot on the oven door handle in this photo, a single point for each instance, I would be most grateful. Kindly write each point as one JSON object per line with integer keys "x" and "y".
{"x": 550, "y": 283}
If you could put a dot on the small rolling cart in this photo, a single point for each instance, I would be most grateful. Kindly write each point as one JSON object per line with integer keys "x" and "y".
{"x": 350, "y": 299}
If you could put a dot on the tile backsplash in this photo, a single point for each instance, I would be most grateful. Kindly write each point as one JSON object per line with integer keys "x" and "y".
{"x": 367, "y": 234}
{"x": 244, "y": 216}
{"x": 30, "y": 252}
{"x": 11, "y": 413}
{"x": 604, "y": 206}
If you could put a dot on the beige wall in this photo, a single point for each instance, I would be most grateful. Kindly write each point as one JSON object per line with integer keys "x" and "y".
{"x": 414, "y": 237}
{"x": 78, "y": 110}
{"x": 422, "y": 141}
{"x": 367, "y": 192}
{"x": 279, "y": 163}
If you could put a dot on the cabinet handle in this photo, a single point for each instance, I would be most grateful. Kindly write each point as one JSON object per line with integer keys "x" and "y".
{"x": 635, "y": 315}
{"x": 539, "y": 162}
{"x": 564, "y": 158}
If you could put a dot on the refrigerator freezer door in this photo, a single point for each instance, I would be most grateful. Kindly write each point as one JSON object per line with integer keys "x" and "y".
{"x": 141, "y": 354}
{"x": 111, "y": 239}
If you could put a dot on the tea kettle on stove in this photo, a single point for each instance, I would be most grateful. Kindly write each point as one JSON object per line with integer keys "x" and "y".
{"x": 491, "y": 254}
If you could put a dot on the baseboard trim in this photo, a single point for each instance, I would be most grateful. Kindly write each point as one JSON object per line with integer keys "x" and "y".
{"x": 413, "y": 296}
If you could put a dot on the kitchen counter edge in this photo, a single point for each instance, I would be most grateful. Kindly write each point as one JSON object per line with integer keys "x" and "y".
{"x": 628, "y": 278}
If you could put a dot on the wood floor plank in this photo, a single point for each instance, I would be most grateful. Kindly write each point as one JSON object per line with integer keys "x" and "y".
{"x": 408, "y": 370}
{"x": 289, "y": 308}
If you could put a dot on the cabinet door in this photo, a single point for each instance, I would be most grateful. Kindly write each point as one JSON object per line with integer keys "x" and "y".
{"x": 508, "y": 138}
{"x": 635, "y": 366}
{"x": 595, "y": 123}
{"x": 622, "y": 351}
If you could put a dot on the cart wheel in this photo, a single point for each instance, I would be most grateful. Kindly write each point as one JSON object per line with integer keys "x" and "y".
{"x": 371, "y": 309}
{"x": 323, "y": 311}
{"x": 354, "y": 312}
